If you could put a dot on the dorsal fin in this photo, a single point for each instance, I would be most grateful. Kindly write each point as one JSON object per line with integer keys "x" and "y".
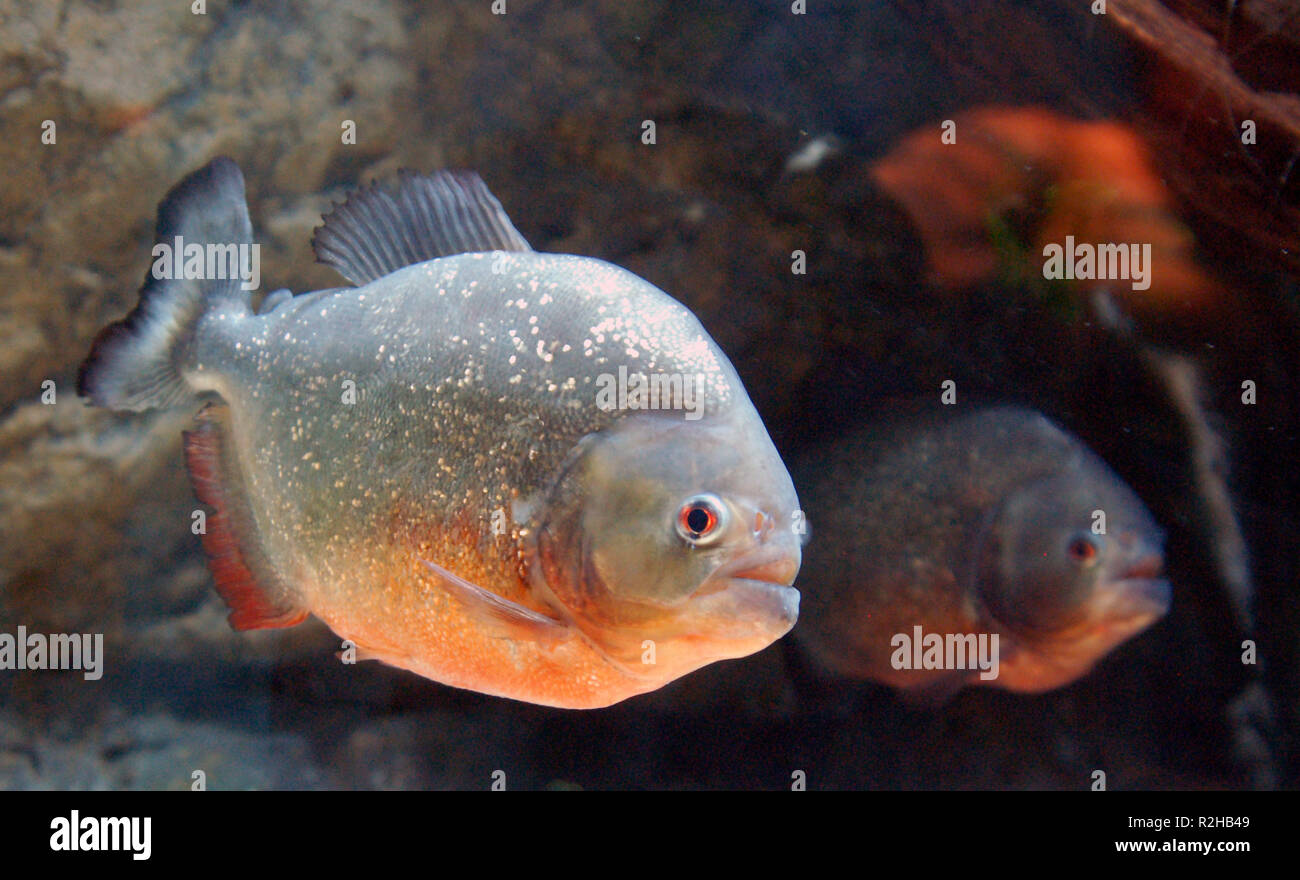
{"x": 380, "y": 229}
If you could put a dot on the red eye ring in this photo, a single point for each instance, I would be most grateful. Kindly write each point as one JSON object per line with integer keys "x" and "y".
{"x": 701, "y": 519}
{"x": 698, "y": 519}
{"x": 1082, "y": 550}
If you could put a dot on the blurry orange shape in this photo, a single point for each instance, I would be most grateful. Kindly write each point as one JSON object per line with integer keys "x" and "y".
{"x": 1017, "y": 179}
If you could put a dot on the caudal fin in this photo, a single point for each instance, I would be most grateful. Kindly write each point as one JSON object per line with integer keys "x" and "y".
{"x": 135, "y": 363}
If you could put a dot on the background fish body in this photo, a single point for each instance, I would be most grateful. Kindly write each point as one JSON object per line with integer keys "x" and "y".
{"x": 975, "y": 523}
{"x": 423, "y": 460}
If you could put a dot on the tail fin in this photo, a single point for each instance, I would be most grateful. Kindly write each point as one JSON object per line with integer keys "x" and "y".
{"x": 134, "y": 364}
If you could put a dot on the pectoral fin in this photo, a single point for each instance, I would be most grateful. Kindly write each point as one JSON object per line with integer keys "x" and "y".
{"x": 372, "y": 646}
{"x": 502, "y": 617}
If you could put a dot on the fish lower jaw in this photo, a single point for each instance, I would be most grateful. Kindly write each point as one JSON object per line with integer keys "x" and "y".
{"x": 743, "y": 608}
{"x": 752, "y": 589}
{"x": 1052, "y": 665}
{"x": 731, "y": 620}
{"x": 1141, "y": 598}
{"x": 781, "y": 599}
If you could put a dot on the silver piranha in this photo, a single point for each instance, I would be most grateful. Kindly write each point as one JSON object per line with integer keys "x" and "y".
{"x": 532, "y": 475}
{"x": 986, "y": 548}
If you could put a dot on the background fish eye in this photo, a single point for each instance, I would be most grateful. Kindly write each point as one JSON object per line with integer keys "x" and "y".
{"x": 1084, "y": 549}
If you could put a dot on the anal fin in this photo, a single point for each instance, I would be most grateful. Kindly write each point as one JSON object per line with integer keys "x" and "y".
{"x": 245, "y": 580}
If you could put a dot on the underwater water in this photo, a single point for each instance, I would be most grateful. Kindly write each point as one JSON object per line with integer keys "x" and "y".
{"x": 872, "y": 209}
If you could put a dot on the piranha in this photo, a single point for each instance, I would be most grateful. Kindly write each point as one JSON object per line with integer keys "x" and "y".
{"x": 935, "y": 534}
{"x": 431, "y": 461}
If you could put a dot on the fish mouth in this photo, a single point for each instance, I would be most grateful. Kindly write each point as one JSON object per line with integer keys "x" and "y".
{"x": 753, "y": 592}
{"x": 1146, "y": 568}
{"x": 1140, "y": 591}
{"x": 775, "y": 566}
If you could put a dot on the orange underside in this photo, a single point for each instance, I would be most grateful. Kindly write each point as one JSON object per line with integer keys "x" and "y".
{"x": 400, "y": 614}
{"x": 415, "y": 625}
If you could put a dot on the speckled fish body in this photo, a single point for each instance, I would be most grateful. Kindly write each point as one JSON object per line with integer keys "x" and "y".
{"x": 977, "y": 523}
{"x": 423, "y": 461}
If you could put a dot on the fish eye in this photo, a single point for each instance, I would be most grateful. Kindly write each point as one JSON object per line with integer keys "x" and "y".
{"x": 1084, "y": 549}
{"x": 702, "y": 519}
